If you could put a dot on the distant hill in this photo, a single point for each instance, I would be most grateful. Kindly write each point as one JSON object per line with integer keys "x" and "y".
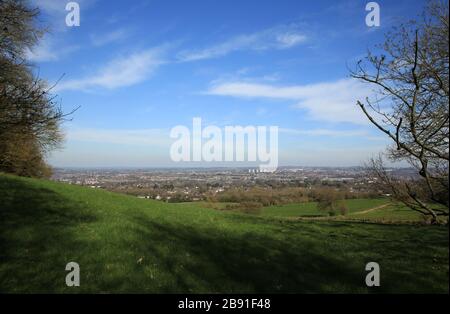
{"x": 126, "y": 244}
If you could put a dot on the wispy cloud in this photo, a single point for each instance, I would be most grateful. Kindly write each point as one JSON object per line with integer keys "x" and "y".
{"x": 118, "y": 35}
{"x": 123, "y": 71}
{"x": 140, "y": 137}
{"x": 47, "y": 51}
{"x": 41, "y": 53}
{"x": 58, "y": 7}
{"x": 329, "y": 101}
{"x": 50, "y": 6}
{"x": 332, "y": 133}
{"x": 325, "y": 132}
{"x": 55, "y": 12}
{"x": 281, "y": 37}
{"x": 90, "y": 147}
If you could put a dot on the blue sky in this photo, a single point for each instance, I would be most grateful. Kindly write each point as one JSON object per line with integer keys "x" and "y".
{"x": 139, "y": 68}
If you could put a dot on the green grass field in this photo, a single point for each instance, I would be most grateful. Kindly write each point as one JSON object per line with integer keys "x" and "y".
{"x": 124, "y": 244}
{"x": 371, "y": 210}
{"x": 391, "y": 213}
{"x": 310, "y": 209}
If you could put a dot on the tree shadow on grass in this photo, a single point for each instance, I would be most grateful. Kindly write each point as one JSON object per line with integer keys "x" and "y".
{"x": 36, "y": 241}
{"x": 405, "y": 253}
{"x": 208, "y": 260}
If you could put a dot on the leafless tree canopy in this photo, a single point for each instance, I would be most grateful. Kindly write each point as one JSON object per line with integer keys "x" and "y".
{"x": 411, "y": 82}
{"x": 29, "y": 115}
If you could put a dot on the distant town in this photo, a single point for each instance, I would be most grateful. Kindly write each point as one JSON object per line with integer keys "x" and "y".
{"x": 197, "y": 184}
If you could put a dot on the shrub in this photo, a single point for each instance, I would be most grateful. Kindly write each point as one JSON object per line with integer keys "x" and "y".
{"x": 343, "y": 209}
{"x": 250, "y": 207}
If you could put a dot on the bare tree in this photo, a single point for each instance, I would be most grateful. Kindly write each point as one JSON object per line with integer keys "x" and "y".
{"x": 28, "y": 112}
{"x": 411, "y": 106}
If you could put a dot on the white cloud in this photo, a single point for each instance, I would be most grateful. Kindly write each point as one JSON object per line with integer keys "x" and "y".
{"x": 334, "y": 157}
{"x": 111, "y": 148}
{"x": 55, "y": 10}
{"x": 47, "y": 51}
{"x": 357, "y": 133}
{"x": 41, "y": 53}
{"x": 104, "y": 39}
{"x": 144, "y": 137}
{"x": 58, "y": 7}
{"x": 124, "y": 71}
{"x": 289, "y": 40}
{"x": 50, "y": 6}
{"x": 281, "y": 37}
{"x": 326, "y": 132}
{"x": 330, "y": 101}
{"x": 93, "y": 147}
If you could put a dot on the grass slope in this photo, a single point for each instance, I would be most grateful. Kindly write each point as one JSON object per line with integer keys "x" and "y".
{"x": 125, "y": 244}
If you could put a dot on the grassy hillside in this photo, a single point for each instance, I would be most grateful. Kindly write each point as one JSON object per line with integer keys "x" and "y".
{"x": 125, "y": 244}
